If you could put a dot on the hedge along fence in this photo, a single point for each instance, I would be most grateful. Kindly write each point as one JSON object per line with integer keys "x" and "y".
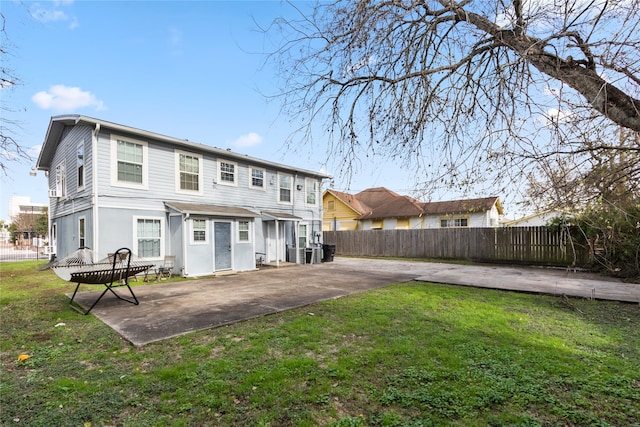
{"x": 527, "y": 245}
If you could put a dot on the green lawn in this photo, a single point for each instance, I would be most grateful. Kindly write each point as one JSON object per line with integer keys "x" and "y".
{"x": 414, "y": 354}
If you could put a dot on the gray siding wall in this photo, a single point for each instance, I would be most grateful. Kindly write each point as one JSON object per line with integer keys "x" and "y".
{"x": 68, "y": 238}
{"x": 162, "y": 184}
{"x": 66, "y": 153}
{"x": 118, "y": 206}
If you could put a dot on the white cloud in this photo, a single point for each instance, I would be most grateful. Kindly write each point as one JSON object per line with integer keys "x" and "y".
{"x": 48, "y": 15}
{"x": 52, "y": 12}
{"x": 34, "y": 151}
{"x": 555, "y": 116}
{"x": 248, "y": 140}
{"x": 175, "y": 36}
{"x": 63, "y": 98}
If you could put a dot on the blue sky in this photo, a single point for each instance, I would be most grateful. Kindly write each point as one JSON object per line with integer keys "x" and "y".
{"x": 190, "y": 69}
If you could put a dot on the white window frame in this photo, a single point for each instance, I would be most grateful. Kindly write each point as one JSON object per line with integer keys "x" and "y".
{"x": 193, "y": 230}
{"x": 81, "y": 166}
{"x": 264, "y": 178}
{"x": 144, "y": 185}
{"x": 306, "y": 236}
{"x": 310, "y": 183}
{"x": 134, "y": 243}
{"x": 249, "y": 231}
{"x": 82, "y": 232}
{"x": 291, "y": 195}
{"x": 235, "y": 173}
{"x": 451, "y": 222}
{"x": 53, "y": 236}
{"x": 179, "y": 189}
{"x": 61, "y": 179}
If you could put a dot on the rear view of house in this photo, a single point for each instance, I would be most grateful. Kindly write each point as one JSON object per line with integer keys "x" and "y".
{"x": 113, "y": 186}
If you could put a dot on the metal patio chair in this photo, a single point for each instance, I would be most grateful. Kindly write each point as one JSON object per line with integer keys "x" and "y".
{"x": 166, "y": 269}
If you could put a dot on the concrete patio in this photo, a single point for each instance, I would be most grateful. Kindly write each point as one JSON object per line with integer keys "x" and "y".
{"x": 170, "y": 309}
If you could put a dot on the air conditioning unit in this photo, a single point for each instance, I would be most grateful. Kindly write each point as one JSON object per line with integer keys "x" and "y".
{"x": 53, "y": 193}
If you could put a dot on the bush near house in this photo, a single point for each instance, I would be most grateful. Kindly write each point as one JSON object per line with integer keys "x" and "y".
{"x": 611, "y": 233}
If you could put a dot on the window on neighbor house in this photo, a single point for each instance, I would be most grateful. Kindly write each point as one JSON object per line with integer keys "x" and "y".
{"x": 148, "y": 237}
{"x": 402, "y": 224}
{"x": 376, "y": 224}
{"x": 311, "y": 188}
{"x": 80, "y": 165}
{"x": 257, "y": 178}
{"x": 243, "y": 231}
{"x": 81, "y": 233}
{"x": 61, "y": 180}
{"x": 189, "y": 166}
{"x": 302, "y": 236}
{"x": 199, "y": 227}
{"x": 284, "y": 186}
{"x": 227, "y": 172}
{"x": 454, "y": 222}
{"x": 331, "y": 205}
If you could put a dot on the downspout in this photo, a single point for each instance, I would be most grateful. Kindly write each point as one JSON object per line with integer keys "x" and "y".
{"x": 293, "y": 212}
{"x": 94, "y": 188}
{"x": 277, "y": 245}
{"x": 185, "y": 228}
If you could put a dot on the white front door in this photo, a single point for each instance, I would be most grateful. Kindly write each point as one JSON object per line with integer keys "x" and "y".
{"x": 275, "y": 241}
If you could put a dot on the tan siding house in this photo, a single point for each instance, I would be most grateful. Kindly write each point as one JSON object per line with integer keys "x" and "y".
{"x": 382, "y": 209}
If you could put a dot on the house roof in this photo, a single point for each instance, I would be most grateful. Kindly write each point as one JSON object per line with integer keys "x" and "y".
{"x": 544, "y": 215}
{"x": 380, "y": 202}
{"x": 210, "y": 210}
{"x": 349, "y": 200}
{"x": 462, "y": 206}
{"x": 57, "y": 125}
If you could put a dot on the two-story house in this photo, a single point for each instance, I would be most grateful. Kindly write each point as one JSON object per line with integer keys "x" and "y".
{"x": 382, "y": 209}
{"x": 113, "y": 186}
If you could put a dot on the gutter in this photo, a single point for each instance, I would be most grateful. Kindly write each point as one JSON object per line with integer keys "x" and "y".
{"x": 94, "y": 187}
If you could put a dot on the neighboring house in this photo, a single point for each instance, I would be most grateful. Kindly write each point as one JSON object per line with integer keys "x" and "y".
{"x": 113, "y": 186}
{"x": 537, "y": 219}
{"x": 23, "y": 213}
{"x": 382, "y": 209}
{"x": 22, "y": 205}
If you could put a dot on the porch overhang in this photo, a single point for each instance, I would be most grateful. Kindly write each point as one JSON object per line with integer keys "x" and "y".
{"x": 210, "y": 210}
{"x": 279, "y": 216}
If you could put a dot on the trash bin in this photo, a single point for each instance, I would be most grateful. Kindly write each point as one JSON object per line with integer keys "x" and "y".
{"x": 308, "y": 253}
{"x": 328, "y": 251}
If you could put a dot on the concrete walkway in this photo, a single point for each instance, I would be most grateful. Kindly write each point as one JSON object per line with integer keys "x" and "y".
{"x": 171, "y": 309}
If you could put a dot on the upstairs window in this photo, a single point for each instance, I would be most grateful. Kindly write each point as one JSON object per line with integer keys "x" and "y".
{"x": 257, "y": 178}
{"x": 61, "y": 180}
{"x": 129, "y": 163}
{"x": 80, "y": 165}
{"x": 189, "y": 172}
{"x": 284, "y": 188}
{"x": 227, "y": 172}
{"x": 331, "y": 205}
{"x": 311, "y": 189}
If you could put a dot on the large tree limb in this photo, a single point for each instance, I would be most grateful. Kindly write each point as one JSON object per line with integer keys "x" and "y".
{"x": 603, "y": 96}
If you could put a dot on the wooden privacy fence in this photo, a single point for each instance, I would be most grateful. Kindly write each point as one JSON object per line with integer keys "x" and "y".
{"x": 530, "y": 245}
